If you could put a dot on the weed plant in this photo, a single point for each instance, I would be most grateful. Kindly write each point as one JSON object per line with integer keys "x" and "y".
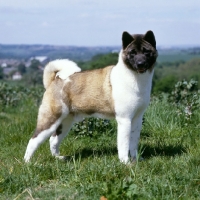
{"x": 170, "y": 168}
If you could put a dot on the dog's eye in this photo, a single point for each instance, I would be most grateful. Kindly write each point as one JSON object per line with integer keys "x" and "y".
{"x": 133, "y": 52}
{"x": 146, "y": 52}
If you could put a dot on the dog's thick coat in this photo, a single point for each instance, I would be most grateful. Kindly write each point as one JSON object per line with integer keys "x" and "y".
{"x": 121, "y": 91}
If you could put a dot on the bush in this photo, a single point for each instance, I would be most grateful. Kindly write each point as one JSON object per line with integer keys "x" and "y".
{"x": 1, "y": 73}
{"x": 92, "y": 127}
{"x": 166, "y": 84}
{"x": 186, "y": 98}
{"x": 11, "y": 96}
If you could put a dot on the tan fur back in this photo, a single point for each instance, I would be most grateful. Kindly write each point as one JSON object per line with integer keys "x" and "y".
{"x": 90, "y": 92}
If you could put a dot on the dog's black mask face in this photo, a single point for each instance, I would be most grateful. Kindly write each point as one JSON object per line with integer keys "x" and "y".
{"x": 139, "y": 51}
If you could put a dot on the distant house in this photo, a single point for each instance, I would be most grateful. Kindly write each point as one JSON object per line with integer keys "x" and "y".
{"x": 9, "y": 62}
{"x": 3, "y": 65}
{"x": 16, "y": 76}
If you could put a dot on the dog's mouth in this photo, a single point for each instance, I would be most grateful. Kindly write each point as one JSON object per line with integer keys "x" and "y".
{"x": 141, "y": 67}
{"x": 141, "y": 71}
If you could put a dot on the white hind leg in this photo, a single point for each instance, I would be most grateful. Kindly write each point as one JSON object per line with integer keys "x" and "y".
{"x": 59, "y": 135}
{"x": 38, "y": 138}
{"x": 49, "y": 118}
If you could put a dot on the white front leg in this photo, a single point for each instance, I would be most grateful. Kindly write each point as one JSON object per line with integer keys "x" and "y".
{"x": 135, "y": 136}
{"x": 123, "y": 135}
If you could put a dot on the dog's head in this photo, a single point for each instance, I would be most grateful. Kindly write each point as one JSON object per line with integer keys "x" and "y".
{"x": 139, "y": 51}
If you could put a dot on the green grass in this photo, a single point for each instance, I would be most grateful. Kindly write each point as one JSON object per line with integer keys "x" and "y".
{"x": 170, "y": 169}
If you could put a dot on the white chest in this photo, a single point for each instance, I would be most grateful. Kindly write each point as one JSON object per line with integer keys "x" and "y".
{"x": 130, "y": 90}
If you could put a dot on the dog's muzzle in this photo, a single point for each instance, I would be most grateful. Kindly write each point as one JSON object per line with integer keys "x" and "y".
{"x": 141, "y": 66}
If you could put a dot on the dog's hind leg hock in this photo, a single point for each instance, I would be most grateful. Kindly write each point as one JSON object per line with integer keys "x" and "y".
{"x": 59, "y": 135}
{"x": 123, "y": 135}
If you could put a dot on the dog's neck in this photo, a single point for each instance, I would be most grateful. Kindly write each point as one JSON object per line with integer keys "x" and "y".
{"x": 132, "y": 78}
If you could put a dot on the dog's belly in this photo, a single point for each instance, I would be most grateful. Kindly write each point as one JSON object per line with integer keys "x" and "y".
{"x": 78, "y": 117}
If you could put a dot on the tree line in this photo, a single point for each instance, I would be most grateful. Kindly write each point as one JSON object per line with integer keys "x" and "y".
{"x": 165, "y": 76}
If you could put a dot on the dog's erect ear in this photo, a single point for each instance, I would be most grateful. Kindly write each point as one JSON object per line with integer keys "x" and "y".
{"x": 150, "y": 38}
{"x": 126, "y": 39}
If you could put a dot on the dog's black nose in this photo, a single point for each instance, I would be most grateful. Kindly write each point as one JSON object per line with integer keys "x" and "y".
{"x": 140, "y": 64}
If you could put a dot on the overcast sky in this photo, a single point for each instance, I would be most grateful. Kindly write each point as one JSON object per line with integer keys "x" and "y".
{"x": 98, "y": 22}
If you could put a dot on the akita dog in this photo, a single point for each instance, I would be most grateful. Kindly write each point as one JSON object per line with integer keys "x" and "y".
{"x": 121, "y": 91}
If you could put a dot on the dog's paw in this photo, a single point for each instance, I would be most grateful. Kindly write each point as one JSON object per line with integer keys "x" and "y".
{"x": 124, "y": 160}
{"x": 63, "y": 158}
{"x": 27, "y": 157}
{"x": 135, "y": 160}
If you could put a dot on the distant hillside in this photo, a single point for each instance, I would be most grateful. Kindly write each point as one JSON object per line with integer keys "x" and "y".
{"x": 173, "y": 54}
{"x": 53, "y": 52}
{"x": 75, "y": 53}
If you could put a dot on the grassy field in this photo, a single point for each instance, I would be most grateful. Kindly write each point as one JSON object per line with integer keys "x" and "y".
{"x": 170, "y": 168}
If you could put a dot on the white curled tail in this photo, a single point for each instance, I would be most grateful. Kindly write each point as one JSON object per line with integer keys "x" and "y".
{"x": 62, "y": 68}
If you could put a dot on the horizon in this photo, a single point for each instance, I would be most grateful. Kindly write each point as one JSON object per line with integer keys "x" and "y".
{"x": 104, "y": 46}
